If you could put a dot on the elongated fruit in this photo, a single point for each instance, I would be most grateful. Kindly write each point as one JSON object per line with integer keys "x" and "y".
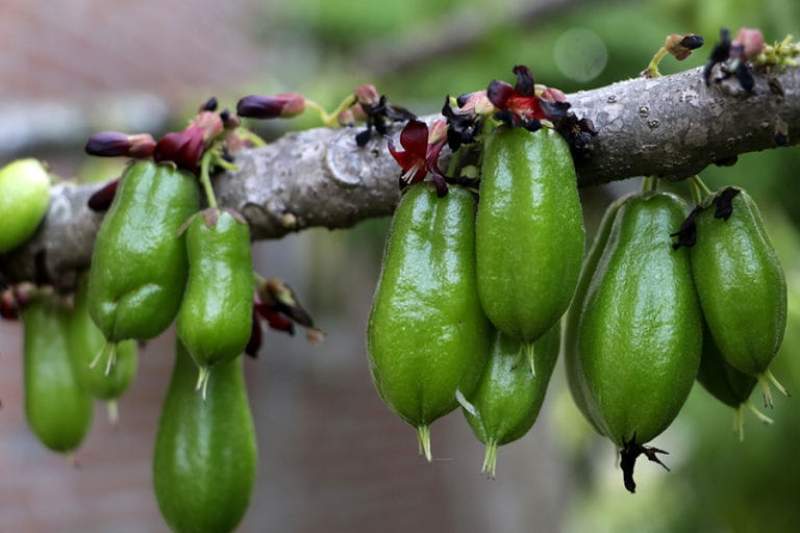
{"x": 726, "y": 384}
{"x": 640, "y": 330}
{"x": 214, "y": 321}
{"x": 139, "y": 263}
{"x": 205, "y": 457}
{"x": 58, "y": 410}
{"x": 740, "y": 283}
{"x": 24, "y": 197}
{"x": 427, "y": 336}
{"x": 85, "y": 342}
{"x": 508, "y": 397}
{"x": 529, "y": 233}
{"x": 572, "y": 364}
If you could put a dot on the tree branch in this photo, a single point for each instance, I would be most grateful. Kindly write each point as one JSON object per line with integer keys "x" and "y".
{"x": 671, "y": 127}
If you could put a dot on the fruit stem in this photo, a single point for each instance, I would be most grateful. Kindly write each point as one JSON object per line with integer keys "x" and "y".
{"x": 701, "y": 185}
{"x": 205, "y": 178}
{"x": 490, "y": 459}
{"x": 530, "y": 351}
{"x": 697, "y": 193}
{"x": 424, "y": 441}
{"x": 649, "y": 184}
{"x": 738, "y": 422}
{"x": 652, "y": 68}
{"x": 249, "y": 136}
{"x": 112, "y": 408}
{"x": 202, "y": 380}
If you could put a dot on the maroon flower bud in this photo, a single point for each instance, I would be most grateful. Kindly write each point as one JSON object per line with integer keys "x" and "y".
{"x": 184, "y": 148}
{"x": 101, "y": 199}
{"x": 115, "y": 143}
{"x": 751, "y": 41}
{"x": 107, "y": 144}
{"x": 283, "y": 105}
{"x": 367, "y": 95}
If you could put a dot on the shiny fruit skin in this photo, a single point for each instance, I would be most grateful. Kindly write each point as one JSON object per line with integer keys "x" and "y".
{"x": 204, "y": 464}
{"x": 529, "y": 231}
{"x": 640, "y": 332}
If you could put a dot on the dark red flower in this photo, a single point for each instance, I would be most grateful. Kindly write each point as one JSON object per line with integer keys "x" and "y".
{"x": 275, "y": 319}
{"x": 184, "y": 148}
{"x": 421, "y": 154}
{"x": 115, "y": 143}
{"x": 517, "y": 105}
{"x": 283, "y": 105}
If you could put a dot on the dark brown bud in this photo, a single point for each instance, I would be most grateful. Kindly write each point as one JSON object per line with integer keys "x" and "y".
{"x": 184, "y": 148}
{"x": 681, "y": 46}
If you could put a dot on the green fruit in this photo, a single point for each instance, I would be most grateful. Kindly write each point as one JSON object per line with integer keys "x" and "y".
{"x": 214, "y": 321}
{"x": 640, "y": 331}
{"x": 24, "y": 198}
{"x": 86, "y": 341}
{"x": 573, "y": 370}
{"x": 58, "y": 411}
{"x": 740, "y": 284}
{"x": 205, "y": 457}
{"x": 508, "y": 397}
{"x": 139, "y": 263}
{"x": 726, "y": 384}
{"x": 427, "y": 336}
{"x": 529, "y": 231}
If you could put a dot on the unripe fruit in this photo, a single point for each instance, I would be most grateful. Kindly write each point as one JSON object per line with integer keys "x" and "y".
{"x": 529, "y": 231}
{"x": 427, "y": 337}
{"x": 24, "y": 198}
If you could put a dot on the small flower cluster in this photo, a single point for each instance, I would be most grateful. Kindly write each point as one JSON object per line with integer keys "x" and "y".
{"x": 734, "y": 57}
{"x": 183, "y": 148}
{"x": 366, "y": 105}
{"x": 526, "y": 104}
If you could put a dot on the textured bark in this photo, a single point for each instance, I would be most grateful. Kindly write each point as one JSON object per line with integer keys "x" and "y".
{"x": 671, "y": 127}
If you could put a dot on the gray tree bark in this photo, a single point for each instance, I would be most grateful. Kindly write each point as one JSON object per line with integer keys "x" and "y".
{"x": 671, "y": 127}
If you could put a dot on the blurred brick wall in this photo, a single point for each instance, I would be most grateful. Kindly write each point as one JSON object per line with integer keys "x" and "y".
{"x": 57, "y": 49}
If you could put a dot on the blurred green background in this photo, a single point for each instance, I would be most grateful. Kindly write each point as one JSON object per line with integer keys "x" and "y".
{"x": 416, "y": 52}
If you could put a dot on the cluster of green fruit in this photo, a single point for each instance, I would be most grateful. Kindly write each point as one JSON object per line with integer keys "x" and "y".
{"x": 470, "y": 299}
{"x": 156, "y": 258}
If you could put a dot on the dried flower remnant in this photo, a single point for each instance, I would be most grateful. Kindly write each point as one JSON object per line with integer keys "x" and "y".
{"x": 379, "y": 114}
